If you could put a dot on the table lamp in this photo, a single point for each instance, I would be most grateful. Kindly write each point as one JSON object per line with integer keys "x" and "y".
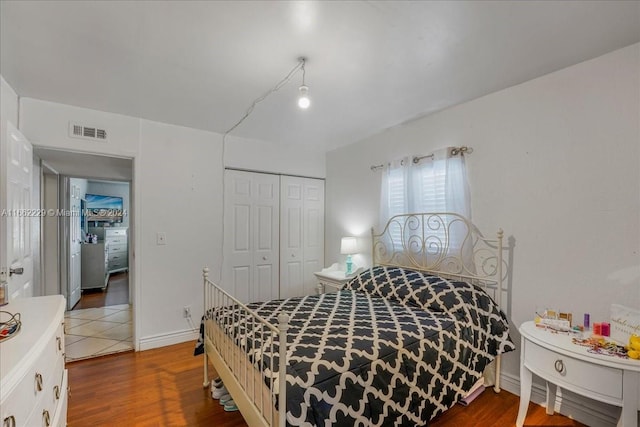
{"x": 349, "y": 246}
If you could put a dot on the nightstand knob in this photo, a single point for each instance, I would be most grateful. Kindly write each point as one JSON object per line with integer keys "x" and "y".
{"x": 264, "y": 258}
{"x": 559, "y": 365}
{"x": 293, "y": 255}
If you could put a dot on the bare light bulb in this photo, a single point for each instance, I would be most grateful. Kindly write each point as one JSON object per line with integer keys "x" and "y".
{"x": 303, "y": 100}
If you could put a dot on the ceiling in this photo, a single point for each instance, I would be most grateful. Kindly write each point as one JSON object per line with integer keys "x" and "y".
{"x": 371, "y": 65}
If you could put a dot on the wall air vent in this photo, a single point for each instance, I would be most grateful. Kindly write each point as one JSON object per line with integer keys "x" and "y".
{"x": 87, "y": 132}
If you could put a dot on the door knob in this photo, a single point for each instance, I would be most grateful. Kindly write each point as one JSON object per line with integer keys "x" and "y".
{"x": 13, "y": 271}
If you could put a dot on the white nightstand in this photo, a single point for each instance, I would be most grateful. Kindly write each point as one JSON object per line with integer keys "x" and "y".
{"x": 554, "y": 358}
{"x": 334, "y": 278}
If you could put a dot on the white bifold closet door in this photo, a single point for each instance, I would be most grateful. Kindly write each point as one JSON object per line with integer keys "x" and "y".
{"x": 252, "y": 217}
{"x": 274, "y": 235}
{"x": 301, "y": 234}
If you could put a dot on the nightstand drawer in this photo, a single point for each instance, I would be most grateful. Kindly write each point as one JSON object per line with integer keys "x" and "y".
{"x": 573, "y": 373}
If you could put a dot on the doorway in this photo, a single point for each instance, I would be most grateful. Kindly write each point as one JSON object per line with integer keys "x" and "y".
{"x": 91, "y": 249}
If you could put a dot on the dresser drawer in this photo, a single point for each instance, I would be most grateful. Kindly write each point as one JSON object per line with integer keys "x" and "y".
{"x": 573, "y": 373}
{"x": 117, "y": 247}
{"x": 47, "y": 405}
{"x": 30, "y": 392}
{"x": 117, "y": 265}
{"x": 118, "y": 240}
{"x": 60, "y": 417}
{"x": 111, "y": 233}
{"x": 117, "y": 257}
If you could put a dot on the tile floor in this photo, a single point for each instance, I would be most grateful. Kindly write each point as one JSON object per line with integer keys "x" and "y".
{"x": 92, "y": 332}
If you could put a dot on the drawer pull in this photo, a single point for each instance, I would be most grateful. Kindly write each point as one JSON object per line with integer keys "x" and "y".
{"x": 38, "y": 381}
{"x": 10, "y": 421}
{"x": 559, "y": 365}
{"x": 56, "y": 392}
{"x": 59, "y": 343}
{"x": 46, "y": 419}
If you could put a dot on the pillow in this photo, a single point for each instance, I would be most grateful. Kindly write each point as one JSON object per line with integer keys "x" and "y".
{"x": 416, "y": 288}
{"x": 464, "y": 301}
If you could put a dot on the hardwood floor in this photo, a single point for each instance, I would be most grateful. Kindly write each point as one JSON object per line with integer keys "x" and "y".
{"x": 117, "y": 293}
{"x": 163, "y": 387}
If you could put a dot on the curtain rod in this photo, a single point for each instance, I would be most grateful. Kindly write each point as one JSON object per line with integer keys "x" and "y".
{"x": 454, "y": 151}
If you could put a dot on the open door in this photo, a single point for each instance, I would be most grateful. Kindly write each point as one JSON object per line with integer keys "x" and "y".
{"x": 75, "y": 241}
{"x": 16, "y": 213}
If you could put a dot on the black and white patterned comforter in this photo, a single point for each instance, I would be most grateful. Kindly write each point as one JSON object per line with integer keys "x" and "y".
{"x": 395, "y": 347}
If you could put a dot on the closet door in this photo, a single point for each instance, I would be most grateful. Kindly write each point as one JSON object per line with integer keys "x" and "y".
{"x": 301, "y": 234}
{"x": 251, "y": 248}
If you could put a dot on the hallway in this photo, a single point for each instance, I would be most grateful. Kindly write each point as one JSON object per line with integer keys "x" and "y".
{"x": 101, "y": 322}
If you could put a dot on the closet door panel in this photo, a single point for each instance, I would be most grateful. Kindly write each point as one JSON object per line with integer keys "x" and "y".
{"x": 301, "y": 234}
{"x": 241, "y": 275}
{"x": 251, "y": 248}
{"x": 265, "y": 238}
{"x": 241, "y": 228}
{"x": 313, "y": 236}
{"x": 264, "y": 283}
{"x": 291, "y": 231}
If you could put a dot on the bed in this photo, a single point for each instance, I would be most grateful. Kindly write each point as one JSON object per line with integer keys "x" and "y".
{"x": 401, "y": 343}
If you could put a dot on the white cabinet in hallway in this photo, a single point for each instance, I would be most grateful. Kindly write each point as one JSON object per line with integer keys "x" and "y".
{"x": 273, "y": 233}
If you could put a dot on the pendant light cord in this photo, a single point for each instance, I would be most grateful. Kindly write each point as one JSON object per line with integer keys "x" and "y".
{"x": 278, "y": 86}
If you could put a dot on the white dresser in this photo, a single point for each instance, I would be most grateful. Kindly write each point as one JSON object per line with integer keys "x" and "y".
{"x": 118, "y": 248}
{"x": 554, "y": 358}
{"x": 33, "y": 378}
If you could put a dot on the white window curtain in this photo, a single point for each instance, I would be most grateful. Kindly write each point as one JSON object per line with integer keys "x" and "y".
{"x": 432, "y": 185}
{"x": 394, "y": 198}
{"x": 437, "y": 184}
{"x": 440, "y": 185}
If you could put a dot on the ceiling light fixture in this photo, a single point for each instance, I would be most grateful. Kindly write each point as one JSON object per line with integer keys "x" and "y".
{"x": 303, "y": 100}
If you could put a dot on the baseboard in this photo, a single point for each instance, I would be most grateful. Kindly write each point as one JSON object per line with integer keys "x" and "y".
{"x": 163, "y": 340}
{"x": 586, "y": 411}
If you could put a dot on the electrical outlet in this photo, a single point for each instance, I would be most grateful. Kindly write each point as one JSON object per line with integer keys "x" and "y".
{"x": 161, "y": 238}
{"x": 186, "y": 311}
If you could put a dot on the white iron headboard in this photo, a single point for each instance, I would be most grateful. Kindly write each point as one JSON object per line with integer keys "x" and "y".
{"x": 442, "y": 243}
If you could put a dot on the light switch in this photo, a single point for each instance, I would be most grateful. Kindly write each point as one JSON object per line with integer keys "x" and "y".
{"x": 161, "y": 238}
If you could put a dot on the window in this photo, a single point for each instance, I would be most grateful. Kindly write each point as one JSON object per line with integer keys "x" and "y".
{"x": 437, "y": 184}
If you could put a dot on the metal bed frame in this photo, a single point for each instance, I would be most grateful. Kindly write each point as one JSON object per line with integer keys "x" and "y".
{"x": 445, "y": 244}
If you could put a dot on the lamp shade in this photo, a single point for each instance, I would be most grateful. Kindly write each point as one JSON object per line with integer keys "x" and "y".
{"x": 348, "y": 245}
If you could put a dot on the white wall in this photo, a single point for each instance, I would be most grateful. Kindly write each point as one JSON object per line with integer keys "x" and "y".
{"x": 177, "y": 190}
{"x": 51, "y": 244}
{"x": 46, "y": 124}
{"x": 181, "y": 195}
{"x": 8, "y": 105}
{"x": 262, "y": 156}
{"x": 556, "y": 164}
